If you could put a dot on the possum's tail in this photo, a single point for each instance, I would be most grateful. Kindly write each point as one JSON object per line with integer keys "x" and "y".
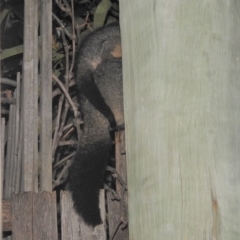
{"x": 87, "y": 171}
{"x": 89, "y": 166}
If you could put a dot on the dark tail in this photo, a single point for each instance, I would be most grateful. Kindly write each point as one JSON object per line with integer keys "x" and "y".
{"x": 87, "y": 172}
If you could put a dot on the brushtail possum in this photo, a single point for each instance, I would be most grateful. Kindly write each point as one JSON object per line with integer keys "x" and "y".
{"x": 99, "y": 46}
{"x": 100, "y": 90}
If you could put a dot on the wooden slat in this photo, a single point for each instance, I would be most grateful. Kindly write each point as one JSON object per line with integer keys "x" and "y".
{"x": 35, "y": 96}
{"x": 22, "y": 218}
{"x": 46, "y": 97}
{"x": 28, "y": 95}
{"x": 44, "y": 216}
{"x": 34, "y": 216}
{"x": 18, "y": 149}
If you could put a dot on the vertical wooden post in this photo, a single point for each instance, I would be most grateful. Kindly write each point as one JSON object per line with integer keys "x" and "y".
{"x": 46, "y": 96}
{"x": 181, "y": 71}
{"x": 28, "y": 93}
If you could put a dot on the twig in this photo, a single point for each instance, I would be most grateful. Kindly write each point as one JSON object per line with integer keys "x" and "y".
{"x": 73, "y": 37}
{"x": 70, "y": 142}
{"x": 57, "y": 91}
{"x": 55, "y": 142}
{"x": 64, "y": 9}
{"x": 67, "y": 133}
{"x": 62, "y": 175}
{"x": 74, "y": 108}
{"x": 114, "y": 193}
{"x": 62, "y": 26}
{"x": 10, "y": 100}
{"x": 68, "y": 126}
{"x": 66, "y": 49}
{"x": 64, "y": 159}
{"x": 8, "y": 82}
{"x": 117, "y": 176}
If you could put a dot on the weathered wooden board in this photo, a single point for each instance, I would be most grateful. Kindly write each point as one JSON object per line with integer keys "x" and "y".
{"x": 34, "y": 216}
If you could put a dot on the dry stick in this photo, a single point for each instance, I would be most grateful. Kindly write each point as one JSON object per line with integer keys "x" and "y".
{"x": 57, "y": 158}
{"x": 67, "y": 133}
{"x": 8, "y": 81}
{"x": 63, "y": 175}
{"x": 73, "y": 37}
{"x": 66, "y": 49}
{"x": 75, "y": 110}
{"x": 55, "y": 143}
{"x": 63, "y": 120}
{"x": 8, "y": 100}
{"x": 64, "y": 9}
{"x": 64, "y": 160}
{"x": 62, "y": 26}
{"x": 57, "y": 91}
{"x": 79, "y": 27}
{"x": 65, "y": 143}
{"x": 4, "y": 111}
{"x": 68, "y": 126}
{"x": 67, "y": 7}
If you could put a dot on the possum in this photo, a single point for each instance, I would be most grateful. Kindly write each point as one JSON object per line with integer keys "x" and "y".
{"x": 97, "y": 47}
{"x": 99, "y": 80}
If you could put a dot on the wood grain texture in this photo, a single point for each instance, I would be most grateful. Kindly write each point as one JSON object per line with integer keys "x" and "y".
{"x": 34, "y": 216}
{"x": 46, "y": 96}
{"x": 22, "y": 217}
{"x": 181, "y": 77}
{"x": 28, "y": 93}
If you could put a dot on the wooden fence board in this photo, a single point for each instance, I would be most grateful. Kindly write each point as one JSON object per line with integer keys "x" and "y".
{"x": 22, "y": 217}
{"x": 28, "y": 117}
{"x": 73, "y": 228}
{"x": 44, "y": 216}
{"x": 46, "y": 97}
{"x": 34, "y": 216}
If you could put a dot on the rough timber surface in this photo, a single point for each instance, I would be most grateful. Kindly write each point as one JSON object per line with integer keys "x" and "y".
{"x": 34, "y": 216}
